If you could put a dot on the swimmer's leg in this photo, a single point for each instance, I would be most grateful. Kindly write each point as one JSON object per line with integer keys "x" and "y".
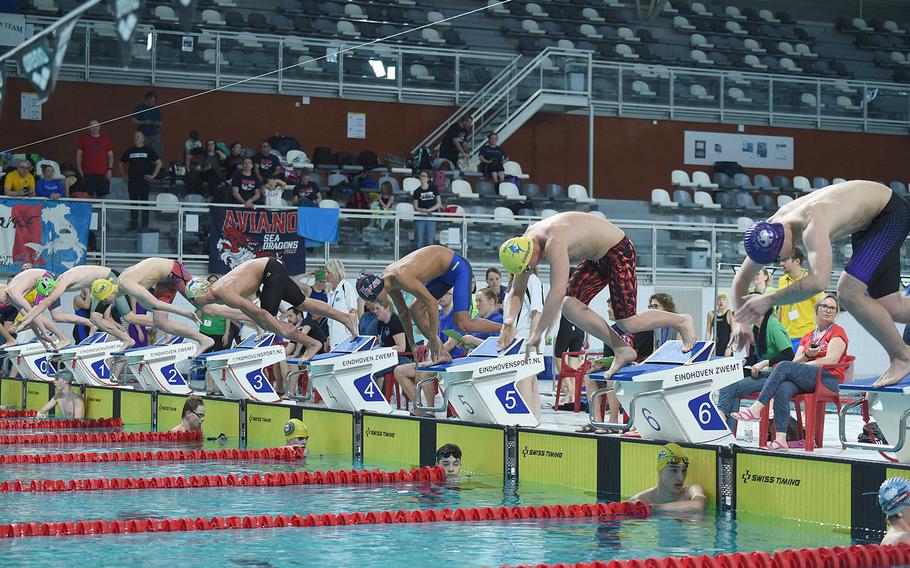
{"x": 590, "y": 321}
{"x": 529, "y": 387}
{"x": 161, "y": 321}
{"x": 656, "y": 319}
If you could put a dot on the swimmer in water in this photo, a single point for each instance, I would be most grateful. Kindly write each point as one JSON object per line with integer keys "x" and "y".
{"x": 607, "y": 258}
{"x": 297, "y": 435}
{"x": 448, "y": 457}
{"x": 66, "y": 403}
{"x": 671, "y": 494}
{"x": 894, "y": 497}
{"x": 427, "y": 274}
{"x": 877, "y": 220}
{"x": 193, "y": 415}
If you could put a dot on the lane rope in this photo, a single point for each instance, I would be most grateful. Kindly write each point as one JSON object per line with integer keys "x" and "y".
{"x": 60, "y": 423}
{"x": 100, "y": 437}
{"x": 283, "y": 454}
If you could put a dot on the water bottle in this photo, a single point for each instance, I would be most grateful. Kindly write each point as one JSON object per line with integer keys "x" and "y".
{"x": 748, "y": 433}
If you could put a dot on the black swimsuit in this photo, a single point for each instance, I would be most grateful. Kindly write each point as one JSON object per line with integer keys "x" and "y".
{"x": 278, "y": 286}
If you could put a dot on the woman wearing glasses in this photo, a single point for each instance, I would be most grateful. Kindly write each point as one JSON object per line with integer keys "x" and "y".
{"x": 647, "y": 341}
{"x": 193, "y": 415}
{"x": 824, "y": 345}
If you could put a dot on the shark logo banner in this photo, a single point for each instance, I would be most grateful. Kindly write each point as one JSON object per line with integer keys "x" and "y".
{"x": 49, "y": 235}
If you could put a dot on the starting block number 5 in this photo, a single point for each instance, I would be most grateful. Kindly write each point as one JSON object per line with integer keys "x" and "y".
{"x": 510, "y": 399}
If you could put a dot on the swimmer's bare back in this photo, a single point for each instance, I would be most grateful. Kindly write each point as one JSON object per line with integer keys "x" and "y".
{"x": 839, "y": 210}
{"x": 584, "y": 236}
{"x": 424, "y": 264}
{"x": 149, "y": 272}
{"x": 245, "y": 279}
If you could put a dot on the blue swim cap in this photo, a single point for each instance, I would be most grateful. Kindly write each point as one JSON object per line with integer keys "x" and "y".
{"x": 369, "y": 286}
{"x": 763, "y": 241}
{"x": 894, "y": 495}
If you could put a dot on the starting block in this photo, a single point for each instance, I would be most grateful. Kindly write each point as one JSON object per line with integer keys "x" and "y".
{"x": 344, "y": 377}
{"x": 890, "y": 406}
{"x": 155, "y": 366}
{"x": 668, "y": 396}
{"x": 240, "y": 373}
{"x": 87, "y": 360}
{"x": 31, "y": 361}
{"x": 481, "y": 386}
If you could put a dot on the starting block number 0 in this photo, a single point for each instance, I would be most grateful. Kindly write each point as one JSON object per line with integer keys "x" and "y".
{"x": 43, "y": 366}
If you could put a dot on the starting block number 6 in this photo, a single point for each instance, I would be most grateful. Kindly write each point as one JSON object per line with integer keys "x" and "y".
{"x": 649, "y": 417}
{"x": 705, "y": 413}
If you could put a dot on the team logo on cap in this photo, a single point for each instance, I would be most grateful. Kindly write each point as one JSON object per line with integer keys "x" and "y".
{"x": 765, "y": 238}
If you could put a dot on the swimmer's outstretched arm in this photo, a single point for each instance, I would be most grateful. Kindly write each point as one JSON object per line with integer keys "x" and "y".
{"x": 320, "y": 308}
{"x": 63, "y": 284}
{"x": 259, "y": 316}
{"x": 511, "y": 306}
{"x": 105, "y": 323}
{"x": 149, "y": 300}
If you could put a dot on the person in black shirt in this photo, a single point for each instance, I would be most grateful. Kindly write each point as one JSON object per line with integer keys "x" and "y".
{"x": 426, "y": 201}
{"x": 389, "y": 329}
{"x": 307, "y": 190}
{"x": 266, "y": 162}
{"x": 455, "y": 142}
{"x": 233, "y": 162}
{"x": 143, "y": 164}
{"x": 245, "y": 185}
{"x": 492, "y": 158}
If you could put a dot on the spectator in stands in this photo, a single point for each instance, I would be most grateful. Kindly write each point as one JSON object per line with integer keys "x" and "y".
{"x": 724, "y": 325}
{"x": 148, "y": 120}
{"x": 245, "y": 188}
{"x": 671, "y": 494}
{"x": 389, "y": 328}
{"x": 318, "y": 292}
{"x": 448, "y": 457}
{"x": 343, "y": 297}
{"x": 369, "y": 323}
{"x": 307, "y": 191}
{"x": 455, "y": 142}
{"x": 273, "y": 190}
{"x": 761, "y": 284}
{"x": 219, "y": 329}
{"x": 20, "y": 182}
{"x": 297, "y": 434}
{"x": 494, "y": 283}
{"x": 646, "y": 342}
{"x": 386, "y": 197}
{"x": 211, "y": 162}
{"x": 234, "y": 160}
{"x": 893, "y": 498}
{"x": 73, "y": 182}
{"x": 798, "y": 318}
{"x": 66, "y": 403}
{"x": 143, "y": 164}
{"x": 824, "y": 345}
{"x": 487, "y": 308}
{"x": 492, "y": 158}
{"x": 95, "y": 161}
{"x": 47, "y": 186}
{"x": 569, "y": 339}
{"x": 193, "y": 415}
{"x": 772, "y": 345}
{"x": 192, "y": 143}
{"x": 266, "y": 162}
{"x": 426, "y": 201}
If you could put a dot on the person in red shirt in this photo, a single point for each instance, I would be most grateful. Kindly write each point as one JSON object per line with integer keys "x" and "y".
{"x": 824, "y": 345}
{"x": 95, "y": 160}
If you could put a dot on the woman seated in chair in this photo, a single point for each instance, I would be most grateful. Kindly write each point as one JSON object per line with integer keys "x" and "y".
{"x": 823, "y": 346}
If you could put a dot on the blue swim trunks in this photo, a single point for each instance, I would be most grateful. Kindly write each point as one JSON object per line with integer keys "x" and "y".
{"x": 876, "y": 256}
{"x": 458, "y": 279}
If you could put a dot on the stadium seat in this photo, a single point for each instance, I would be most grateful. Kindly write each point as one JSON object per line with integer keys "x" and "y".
{"x": 531, "y": 191}
{"x": 820, "y": 182}
{"x": 354, "y": 12}
{"x": 503, "y": 215}
{"x": 661, "y": 198}
{"x": 700, "y": 9}
{"x": 892, "y": 27}
{"x": 589, "y": 31}
{"x": 738, "y": 95}
{"x": 680, "y": 178}
{"x": 762, "y": 182}
{"x": 514, "y": 169}
{"x": 681, "y": 23}
{"x": 734, "y": 28}
{"x": 409, "y": 184}
{"x": 733, "y": 12}
{"x": 768, "y": 16}
{"x": 753, "y": 62}
{"x": 432, "y": 36}
{"x": 486, "y": 189}
{"x": 838, "y": 180}
{"x": 167, "y": 203}
{"x": 213, "y": 18}
{"x": 531, "y": 27}
{"x": 701, "y": 179}
{"x": 625, "y": 51}
{"x": 579, "y": 193}
{"x": 699, "y": 41}
{"x": 844, "y": 102}
{"x": 700, "y": 93}
{"x": 682, "y": 198}
{"x": 592, "y": 15}
{"x": 783, "y": 200}
{"x": 498, "y": 7}
{"x": 753, "y": 46}
{"x": 699, "y": 57}
{"x": 788, "y": 64}
{"x": 548, "y": 213}
{"x": 555, "y": 191}
{"x": 48, "y": 7}
{"x": 627, "y": 35}
{"x": 347, "y": 29}
{"x": 642, "y": 88}
{"x": 802, "y": 184}
{"x": 510, "y": 191}
{"x": 165, "y": 14}
{"x": 404, "y": 210}
{"x": 742, "y": 181}
{"x": 461, "y": 188}
{"x": 704, "y": 199}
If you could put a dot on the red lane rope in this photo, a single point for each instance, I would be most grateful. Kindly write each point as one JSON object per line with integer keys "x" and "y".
{"x": 344, "y": 477}
{"x": 101, "y": 437}
{"x": 859, "y": 556}
{"x": 615, "y": 510}
{"x": 55, "y": 423}
{"x": 284, "y": 454}
{"x": 18, "y": 413}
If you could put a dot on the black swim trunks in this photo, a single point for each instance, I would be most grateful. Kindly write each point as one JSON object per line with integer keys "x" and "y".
{"x": 876, "y": 259}
{"x": 278, "y": 286}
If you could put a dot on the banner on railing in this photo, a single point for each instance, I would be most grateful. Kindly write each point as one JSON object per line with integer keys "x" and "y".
{"x": 238, "y": 235}
{"x": 748, "y": 150}
{"x": 48, "y": 234}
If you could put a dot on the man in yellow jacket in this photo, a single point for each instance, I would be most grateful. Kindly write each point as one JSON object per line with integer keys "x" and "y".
{"x": 799, "y": 318}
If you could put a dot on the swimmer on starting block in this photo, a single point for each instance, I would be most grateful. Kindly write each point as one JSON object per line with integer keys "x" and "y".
{"x": 607, "y": 259}
{"x": 671, "y": 494}
{"x": 878, "y": 221}
{"x": 894, "y": 497}
{"x": 29, "y": 288}
{"x": 427, "y": 274}
{"x": 268, "y": 278}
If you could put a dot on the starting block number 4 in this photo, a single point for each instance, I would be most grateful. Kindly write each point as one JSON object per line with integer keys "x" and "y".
{"x": 368, "y": 389}
{"x": 172, "y": 375}
{"x": 705, "y": 413}
{"x": 510, "y": 399}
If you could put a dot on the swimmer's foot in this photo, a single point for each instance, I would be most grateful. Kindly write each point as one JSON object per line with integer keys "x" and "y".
{"x": 687, "y": 333}
{"x": 621, "y": 357}
{"x": 443, "y": 357}
{"x": 204, "y": 345}
{"x": 895, "y": 373}
{"x": 310, "y": 353}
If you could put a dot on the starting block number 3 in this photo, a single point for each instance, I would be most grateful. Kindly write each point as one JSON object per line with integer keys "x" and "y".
{"x": 258, "y": 381}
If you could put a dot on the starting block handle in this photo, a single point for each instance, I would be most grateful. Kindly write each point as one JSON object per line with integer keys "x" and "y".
{"x": 842, "y": 423}
{"x": 308, "y": 395}
{"x": 592, "y": 401}
{"x": 433, "y": 409}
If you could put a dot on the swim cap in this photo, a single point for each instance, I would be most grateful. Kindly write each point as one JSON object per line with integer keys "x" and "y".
{"x": 45, "y": 285}
{"x": 102, "y": 289}
{"x": 197, "y": 287}
{"x": 763, "y": 241}
{"x": 894, "y": 495}
{"x": 369, "y": 286}
{"x": 319, "y": 275}
{"x": 295, "y": 429}
{"x": 671, "y": 454}
{"x": 515, "y": 254}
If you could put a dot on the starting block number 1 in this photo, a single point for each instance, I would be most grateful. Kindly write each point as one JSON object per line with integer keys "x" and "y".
{"x": 101, "y": 370}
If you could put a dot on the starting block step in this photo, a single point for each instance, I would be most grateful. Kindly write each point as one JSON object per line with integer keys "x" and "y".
{"x": 31, "y": 361}
{"x": 890, "y": 406}
{"x": 344, "y": 377}
{"x": 87, "y": 361}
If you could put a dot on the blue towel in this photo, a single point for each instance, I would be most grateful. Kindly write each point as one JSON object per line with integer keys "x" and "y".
{"x": 317, "y": 225}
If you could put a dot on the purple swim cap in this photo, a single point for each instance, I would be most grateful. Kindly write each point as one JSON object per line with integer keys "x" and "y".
{"x": 369, "y": 286}
{"x": 763, "y": 241}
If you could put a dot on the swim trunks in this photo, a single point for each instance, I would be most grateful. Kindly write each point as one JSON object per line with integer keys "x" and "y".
{"x": 876, "y": 257}
{"x": 458, "y": 279}
{"x": 277, "y": 285}
{"x": 167, "y": 289}
{"x": 615, "y": 269}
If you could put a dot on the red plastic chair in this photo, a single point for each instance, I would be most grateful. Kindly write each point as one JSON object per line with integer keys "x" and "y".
{"x": 578, "y": 374}
{"x": 390, "y": 384}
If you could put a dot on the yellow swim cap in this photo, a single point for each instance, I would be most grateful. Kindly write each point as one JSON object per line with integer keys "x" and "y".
{"x": 102, "y": 289}
{"x": 671, "y": 454}
{"x": 295, "y": 429}
{"x": 515, "y": 254}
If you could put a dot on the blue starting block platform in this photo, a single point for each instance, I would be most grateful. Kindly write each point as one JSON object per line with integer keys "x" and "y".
{"x": 481, "y": 386}
{"x": 668, "y": 396}
{"x": 240, "y": 373}
{"x": 88, "y": 360}
{"x": 344, "y": 376}
{"x": 890, "y": 406}
{"x": 155, "y": 366}
{"x": 30, "y": 359}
